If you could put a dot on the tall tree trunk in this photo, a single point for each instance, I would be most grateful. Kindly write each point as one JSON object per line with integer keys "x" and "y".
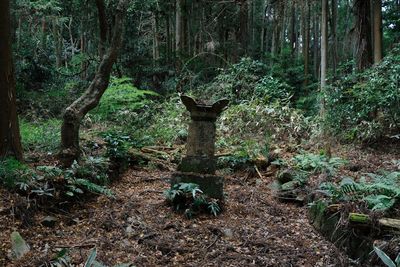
{"x": 362, "y": 34}
{"x": 263, "y": 26}
{"x": 168, "y": 37}
{"x": 74, "y": 114}
{"x": 316, "y": 60}
{"x": 178, "y": 26}
{"x": 179, "y": 31}
{"x": 243, "y": 24}
{"x": 306, "y": 40}
{"x": 293, "y": 35}
{"x": 324, "y": 47}
{"x": 377, "y": 33}
{"x": 103, "y": 27}
{"x": 324, "y": 66}
{"x": 57, "y": 41}
{"x": 10, "y": 141}
{"x": 334, "y": 35}
{"x": 156, "y": 41}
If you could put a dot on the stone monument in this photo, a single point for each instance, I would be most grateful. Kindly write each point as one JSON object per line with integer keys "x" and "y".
{"x": 199, "y": 164}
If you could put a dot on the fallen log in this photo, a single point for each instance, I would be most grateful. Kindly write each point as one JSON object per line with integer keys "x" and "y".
{"x": 366, "y": 219}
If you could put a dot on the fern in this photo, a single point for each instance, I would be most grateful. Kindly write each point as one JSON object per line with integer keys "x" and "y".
{"x": 189, "y": 198}
{"x": 380, "y": 194}
{"x": 94, "y": 188}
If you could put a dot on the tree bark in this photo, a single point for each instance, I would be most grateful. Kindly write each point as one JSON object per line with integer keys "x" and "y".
{"x": 362, "y": 31}
{"x": 324, "y": 49}
{"x": 74, "y": 114}
{"x": 377, "y": 20}
{"x": 243, "y": 25}
{"x": 179, "y": 27}
{"x": 293, "y": 36}
{"x": 57, "y": 41}
{"x": 101, "y": 9}
{"x": 10, "y": 141}
{"x": 334, "y": 35}
{"x": 306, "y": 40}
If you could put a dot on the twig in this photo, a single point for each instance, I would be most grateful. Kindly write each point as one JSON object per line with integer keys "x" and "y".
{"x": 258, "y": 172}
{"x": 213, "y": 243}
{"x": 76, "y": 246}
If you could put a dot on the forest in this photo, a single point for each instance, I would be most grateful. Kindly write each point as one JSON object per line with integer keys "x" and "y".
{"x": 199, "y": 133}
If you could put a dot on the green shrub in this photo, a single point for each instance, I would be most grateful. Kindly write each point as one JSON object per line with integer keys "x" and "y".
{"x": 121, "y": 102}
{"x": 188, "y": 197}
{"x": 381, "y": 193}
{"x": 317, "y": 163}
{"x": 247, "y": 80}
{"x": 166, "y": 126}
{"x": 43, "y": 136}
{"x": 13, "y": 172}
{"x": 51, "y": 101}
{"x": 365, "y": 106}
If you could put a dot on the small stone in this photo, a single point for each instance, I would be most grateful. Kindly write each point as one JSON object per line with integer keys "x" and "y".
{"x": 129, "y": 230}
{"x": 228, "y": 233}
{"x": 49, "y": 221}
{"x": 19, "y": 246}
{"x": 290, "y": 185}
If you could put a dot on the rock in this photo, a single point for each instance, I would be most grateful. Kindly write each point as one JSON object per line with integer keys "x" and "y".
{"x": 228, "y": 233}
{"x": 129, "y": 230}
{"x": 49, "y": 221}
{"x": 19, "y": 246}
{"x": 286, "y": 176}
{"x": 292, "y": 185}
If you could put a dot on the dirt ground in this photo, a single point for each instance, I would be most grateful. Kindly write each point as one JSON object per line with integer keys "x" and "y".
{"x": 137, "y": 227}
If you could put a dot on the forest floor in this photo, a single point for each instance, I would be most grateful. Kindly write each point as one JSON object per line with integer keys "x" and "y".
{"x": 255, "y": 229}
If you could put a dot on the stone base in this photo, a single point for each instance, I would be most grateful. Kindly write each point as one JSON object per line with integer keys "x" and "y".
{"x": 211, "y": 185}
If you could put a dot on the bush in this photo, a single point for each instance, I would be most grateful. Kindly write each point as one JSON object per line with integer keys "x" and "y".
{"x": 13, "y": 172}
{"x": 188, "y": 197}
{"x": 365, "y": 106}
{"x": 121, "y": 102}
{"x": 247, "y": 80}
{"x": 379, "y": 191}
{"x": 50, "y": 101}
{"x": 40, "y": 135}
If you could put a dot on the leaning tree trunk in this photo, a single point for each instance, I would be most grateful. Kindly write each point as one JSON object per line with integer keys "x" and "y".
{"x": 74, "y": 114}
{"x": 10, "y": 143}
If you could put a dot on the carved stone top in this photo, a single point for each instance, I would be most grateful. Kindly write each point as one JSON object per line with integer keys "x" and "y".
{"x": 200, "y": 145}
{"x": 201, "y": 111}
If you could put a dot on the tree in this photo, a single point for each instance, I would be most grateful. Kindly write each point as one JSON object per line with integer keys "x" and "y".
{"x": 74, "y": 114}
{"x": 324, "y": 47}
{"x": 377, "y": 30}
{"x": 362, "y": 34}
{"x": 10, "y": 141}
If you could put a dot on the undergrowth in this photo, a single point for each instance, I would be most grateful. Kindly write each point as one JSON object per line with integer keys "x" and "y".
{"x": 87, "y": 176}
{"x": 42, "y": 135}
{"x": 380, "y": 192}
{"x": 189, "y": 199}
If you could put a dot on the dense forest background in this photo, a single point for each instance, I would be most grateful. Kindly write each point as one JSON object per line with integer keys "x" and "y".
{"x": 90, "y": 89}
{"x": 309, "y": 53}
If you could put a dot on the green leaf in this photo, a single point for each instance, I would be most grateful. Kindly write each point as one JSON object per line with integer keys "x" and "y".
{"x": 91, "y": 258}
{"x": 397, "y": 260}
{"x": 385, "y": 258}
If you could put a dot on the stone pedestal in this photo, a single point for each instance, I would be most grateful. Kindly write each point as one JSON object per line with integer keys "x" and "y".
{"x": 199, "y": 164}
